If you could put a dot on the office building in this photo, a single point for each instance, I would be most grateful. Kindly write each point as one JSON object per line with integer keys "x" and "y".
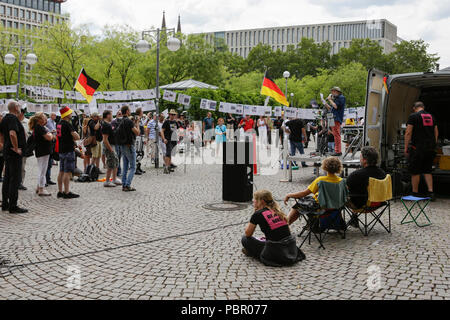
{"x": 340, "y": 35}
{"x": 29, "y": 14}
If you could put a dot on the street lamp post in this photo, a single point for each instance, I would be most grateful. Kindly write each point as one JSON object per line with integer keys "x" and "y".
{"x": 286, "y": 75}
{"x": 173, "y": 44}
{"x": 10, "y": 59}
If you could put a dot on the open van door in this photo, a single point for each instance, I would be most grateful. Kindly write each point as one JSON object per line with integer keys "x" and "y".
{"x": 373, "y": 122}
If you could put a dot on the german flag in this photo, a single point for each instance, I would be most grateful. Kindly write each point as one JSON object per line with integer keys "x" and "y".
{"x": 385, "y": 80}
{"x": 269, "y": 88}
{"x": 86, "y": 86}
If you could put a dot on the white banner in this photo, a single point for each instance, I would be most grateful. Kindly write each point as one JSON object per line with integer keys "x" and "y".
{"x": 184, "y": 99}
{"x": 169, "y": 96}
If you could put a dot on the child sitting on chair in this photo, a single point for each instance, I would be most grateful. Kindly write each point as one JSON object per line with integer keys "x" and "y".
{"x": 332, "y": 166}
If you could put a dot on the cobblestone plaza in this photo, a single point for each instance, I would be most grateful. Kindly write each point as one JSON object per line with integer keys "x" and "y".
{"x": 161, "y": 243}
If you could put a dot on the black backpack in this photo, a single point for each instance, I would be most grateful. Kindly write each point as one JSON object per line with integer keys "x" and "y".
{"x": 93, "y": 172}
{"x": 121, "y": 135}
{"x": 30, "y": 146}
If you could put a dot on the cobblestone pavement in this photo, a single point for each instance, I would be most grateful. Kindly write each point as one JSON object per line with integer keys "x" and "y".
{"x": 159, "y": 243}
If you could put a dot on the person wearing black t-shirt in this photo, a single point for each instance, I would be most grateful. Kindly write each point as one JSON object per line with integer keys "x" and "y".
{"x": 297, "y": 136}
{"x": 13, "y": 140}
{"x": 358, "y": 181}
{"x": 112, "y": 160}
{"x": 170, "y": 137}
{"x": 421, "y": 139}
{"x": 273, "y": 223}
{"x": 127, "y": 132}
{"x": 95, "y": 129}
{"x": 43, "y": 148}
{"x": 66, "y": 136}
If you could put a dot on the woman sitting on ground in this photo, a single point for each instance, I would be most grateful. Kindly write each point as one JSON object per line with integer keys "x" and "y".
{"x": 278, "y": 248}
{"x": 332, "y": 166}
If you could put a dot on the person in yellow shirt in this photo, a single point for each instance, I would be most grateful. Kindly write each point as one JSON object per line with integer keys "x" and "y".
{"x": 332, "y": 166}
{"x": 350, "y": 122}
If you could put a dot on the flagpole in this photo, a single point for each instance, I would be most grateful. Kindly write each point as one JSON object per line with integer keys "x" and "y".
{"x": 82, "y": 68}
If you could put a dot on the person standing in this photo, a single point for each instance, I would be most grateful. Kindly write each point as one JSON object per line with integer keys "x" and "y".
{"x": 2, "y": 159}
{"x": 115, "y": 124}
{"x": 13, "y": 140}
{"x": 151, "y": 134}
{"x": 208, "y": 128}
{"x": 231, "y": 126}
{"x": 297, "y": 136}
{"x": 170, "y": 138}
{"x": 336, "y": 104}
{"x": 112, "y": 161}
{"x": 66, "y": 136}
{"x": 127, "y": 132}
{"x": 51, "y": 127}
{"x": 221, "y": 135}
{"x": 24, "y": 121}
{"x": 43, "y": 147}
{"x": 420, "y": 147}
{"x": 278, "y": 124}
{"x": 248, "y": 125}
{"x": 95, "y": 129}
{"x": 262, "y": 130}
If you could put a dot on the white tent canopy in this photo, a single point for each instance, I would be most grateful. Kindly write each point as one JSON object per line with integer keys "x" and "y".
{"x": 188, "y": 84}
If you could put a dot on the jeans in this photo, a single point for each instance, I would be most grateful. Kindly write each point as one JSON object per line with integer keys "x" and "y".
{"x": 297, "y": 146}
{"x": 337, "y": 136}
{"x": 42, "y": 169}
{"x": 48, "y": 175}
{"x": 253, "y": 246}
{"x": 11, "y": 182}
{"x": 119, "y": 155}
{"x": 129, "y": 164}
{"x": 330, "y": 146}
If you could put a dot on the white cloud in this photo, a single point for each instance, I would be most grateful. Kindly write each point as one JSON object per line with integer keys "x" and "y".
{"x": 429, "y": 20}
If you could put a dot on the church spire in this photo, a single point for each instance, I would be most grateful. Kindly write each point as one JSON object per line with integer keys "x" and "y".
{"x": 179, "y": 25}
{"x": 163, "y": 27}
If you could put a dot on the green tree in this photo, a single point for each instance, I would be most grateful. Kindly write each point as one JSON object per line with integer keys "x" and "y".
{"x": 411, "y": 56}
{"x": 365, "y": 51}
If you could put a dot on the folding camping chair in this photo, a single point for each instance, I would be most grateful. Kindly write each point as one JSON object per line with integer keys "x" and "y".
{"x": 332, "y": 199}
{"x": 380, "y": 194}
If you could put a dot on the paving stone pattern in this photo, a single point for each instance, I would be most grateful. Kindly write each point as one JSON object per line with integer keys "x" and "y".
{"x": 159, "y": 243}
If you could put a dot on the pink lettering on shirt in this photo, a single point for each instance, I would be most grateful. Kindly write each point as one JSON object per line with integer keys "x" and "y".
{"x": 427, "y": 120}
{"x": 273, "y": 220}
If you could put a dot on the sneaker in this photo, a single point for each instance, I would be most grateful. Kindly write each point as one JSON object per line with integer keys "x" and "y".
{"x": 71, "y": 195}
{"x": 110, "y": 185}
{"x": 171, "y": 169}
{"x": 51, "y": 183}
{"x": 117, "y": 182}
{"x": 22, "y": 187}
{"x": 60, "y": 195}
{"x": 17, "y": 210}
{"x": 138, "y": 173}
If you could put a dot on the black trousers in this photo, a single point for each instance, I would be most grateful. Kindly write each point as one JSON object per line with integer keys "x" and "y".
{"x": 2, "y": 165}
{"x": 253, "y": 246}
{"x": 11, "y": 181}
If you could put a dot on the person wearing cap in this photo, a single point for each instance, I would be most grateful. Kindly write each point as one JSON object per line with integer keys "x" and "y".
{"x": 336, "y": 104}
{"x": 67, "y": 136}
{"x": 13, "y": 140}
{"x": 169, "y": 136}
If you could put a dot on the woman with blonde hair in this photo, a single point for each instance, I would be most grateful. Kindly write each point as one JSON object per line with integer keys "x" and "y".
{"x": 278, "y": 248}
{"x": 43, "y": 149}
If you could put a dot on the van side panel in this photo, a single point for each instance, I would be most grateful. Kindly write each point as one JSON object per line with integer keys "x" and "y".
{"x": 401, "y": 99}
{"x": 374, "y": 109}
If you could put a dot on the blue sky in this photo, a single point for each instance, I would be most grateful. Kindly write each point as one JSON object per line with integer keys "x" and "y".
{"x": 415, "y": 19}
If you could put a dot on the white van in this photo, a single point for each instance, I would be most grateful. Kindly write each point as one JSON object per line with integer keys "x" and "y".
{"x": 387, "y": 114}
